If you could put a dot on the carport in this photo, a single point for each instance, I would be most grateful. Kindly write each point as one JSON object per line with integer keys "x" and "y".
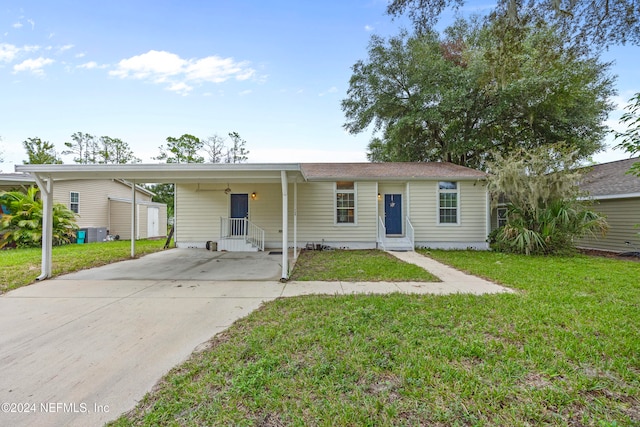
{"x": 46, "y": 176}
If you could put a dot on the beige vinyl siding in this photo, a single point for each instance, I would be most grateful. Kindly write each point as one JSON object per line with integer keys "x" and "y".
{"x": 472, "y": 204}
{"x": 622, "y": 215}
{"x": 94, "y": 198}
{"x": 198, "y": 211}
{"x": 120, "y": 224}
{"x": 316, "y": 214}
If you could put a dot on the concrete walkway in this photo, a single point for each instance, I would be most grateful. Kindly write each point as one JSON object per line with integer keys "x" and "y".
{"x": 81, "y": 351}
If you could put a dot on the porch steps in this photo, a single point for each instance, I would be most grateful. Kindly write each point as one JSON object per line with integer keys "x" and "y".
{"x": 236, "y": 244}
{"x": 397, "y": 244}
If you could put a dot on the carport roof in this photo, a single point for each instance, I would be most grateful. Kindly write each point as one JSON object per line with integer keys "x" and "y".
{"x": 166, "y": 172}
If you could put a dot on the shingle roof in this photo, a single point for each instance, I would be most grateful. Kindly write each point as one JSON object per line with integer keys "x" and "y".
{"x": 390, "y": 171}
{"x": 608, "y": 179}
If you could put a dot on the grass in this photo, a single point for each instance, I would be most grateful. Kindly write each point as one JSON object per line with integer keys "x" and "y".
{"x": 20, "y": 267}
{"x": 356, "y": 266}
{"x": 564, "y": 351}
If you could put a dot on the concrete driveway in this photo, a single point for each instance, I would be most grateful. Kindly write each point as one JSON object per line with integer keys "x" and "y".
{"x": 84, "y": 348}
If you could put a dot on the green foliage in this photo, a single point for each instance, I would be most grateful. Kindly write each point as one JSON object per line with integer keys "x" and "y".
{"x": 40, "y": 152}
{"x": 22, "y": 226}
{"x": 237, "y": 153}
{"x": 182, "y": 150}
{"x": 475, "y": 90}
{"x": 631, "y": 137}
{"x": 115, "y": 151}
{"x": 597, "y": 22}
{"x": 545, "y": 211}
{"x": 84, "y": 147}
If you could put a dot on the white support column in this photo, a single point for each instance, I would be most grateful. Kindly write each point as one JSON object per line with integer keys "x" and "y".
{"x": 488, "y": 214}
{"x": 134, "y": 219}
{"x": 285, "y": 225}
{"x": 46, "y": 191}
{"x": 295, "y": 220}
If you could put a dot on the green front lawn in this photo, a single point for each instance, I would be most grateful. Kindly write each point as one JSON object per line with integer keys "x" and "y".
{"x": 357, "y": 266}
{"x": 564, "y": 351}
{"x": 19, "y": 267}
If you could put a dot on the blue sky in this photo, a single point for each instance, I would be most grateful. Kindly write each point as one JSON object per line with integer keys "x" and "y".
{"x": 275, "y": 72}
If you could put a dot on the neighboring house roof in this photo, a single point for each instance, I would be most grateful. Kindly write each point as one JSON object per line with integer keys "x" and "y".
{"x": 390, "y": 170}
{"x": 17, "y": 179}
{"x": 611, "y": 180}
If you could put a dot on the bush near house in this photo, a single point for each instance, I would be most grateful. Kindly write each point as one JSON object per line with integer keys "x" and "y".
{"x": 21, "y": 225}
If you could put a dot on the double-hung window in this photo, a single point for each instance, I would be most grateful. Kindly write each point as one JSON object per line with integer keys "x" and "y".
{"x": 345, "y": 202}
{"x": 502, "y": 216}
{"x": 448, "y": 203}
{"x": 74, "y": 202}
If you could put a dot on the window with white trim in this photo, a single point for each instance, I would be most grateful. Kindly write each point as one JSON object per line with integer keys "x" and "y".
{"x": 448, "y": 207}
{"x": 74, "y": 202}
{"x": 345, "y": 202}
{"x": 502, "y": 216}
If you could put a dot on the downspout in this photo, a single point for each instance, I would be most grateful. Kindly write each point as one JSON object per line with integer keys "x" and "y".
{"x": 488, "y": 221}
{"x": 285, "y": 222}
{"x": 46, "y": 190}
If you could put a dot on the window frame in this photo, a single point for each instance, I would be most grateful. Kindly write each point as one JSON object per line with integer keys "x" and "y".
{"x": 498, "y": 218}
{"x": 456, "y": 192}
{"x": 77, "y": 202}
{"x": 337, "y": 191}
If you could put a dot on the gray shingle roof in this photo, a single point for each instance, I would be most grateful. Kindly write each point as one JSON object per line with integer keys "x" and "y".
{"x": 608, "y": 179}
{"x": 391, "y": 171}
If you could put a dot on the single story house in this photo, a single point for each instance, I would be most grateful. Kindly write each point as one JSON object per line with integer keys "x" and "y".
{"x": 292, "y": 205}
{"x": 103, "y": 206}
{"x": 616, "y": 194}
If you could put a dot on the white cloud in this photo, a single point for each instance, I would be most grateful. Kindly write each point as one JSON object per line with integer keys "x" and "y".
{"x": 245, "y": 92}
{"x": 368, "y": 28}
{"x": 89, "y": 65}
{"x": 35, "y": 66}
{"x": 31, "y": 48}
{"x": 33, "y": 24}
{"x": 178, "y": 73}
{"x": 332, "y": 89}
{"x": 80, "y": 55}
{"x": 17, "y": 25}
{"x": 64, "y": 48}
{"x": 8, "y": 52}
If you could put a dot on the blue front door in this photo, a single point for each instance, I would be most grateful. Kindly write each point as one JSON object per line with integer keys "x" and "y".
{"x": 393, "y": 213}
{"x": 239, "y": 210}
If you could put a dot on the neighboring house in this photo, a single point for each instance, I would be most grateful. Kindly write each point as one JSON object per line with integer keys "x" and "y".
{"x": 616, "y": 194}
{"x": 102, "y": 206}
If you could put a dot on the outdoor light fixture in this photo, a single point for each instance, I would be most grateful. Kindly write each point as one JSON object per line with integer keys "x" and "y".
{"x": 227, "y": 190}
{"x": 253, "y": 195}
{"x": 379, "y": 196}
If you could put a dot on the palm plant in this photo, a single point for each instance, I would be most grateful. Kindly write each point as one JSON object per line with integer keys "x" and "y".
{"x": 22, "y": 225}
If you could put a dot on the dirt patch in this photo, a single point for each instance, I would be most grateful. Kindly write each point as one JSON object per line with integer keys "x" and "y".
{"x": 612, "y": 255}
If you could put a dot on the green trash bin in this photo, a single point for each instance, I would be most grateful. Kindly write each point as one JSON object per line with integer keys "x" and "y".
{"x": 80, "y": 236}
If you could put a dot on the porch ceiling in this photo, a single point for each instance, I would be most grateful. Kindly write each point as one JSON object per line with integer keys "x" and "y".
{"x": 169, "y": 173}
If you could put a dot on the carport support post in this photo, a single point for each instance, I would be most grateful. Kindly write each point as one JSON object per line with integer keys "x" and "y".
{"x": 134, "y": 219}
{"x": 295, "y": 219}
{"x": 46, "y": 190}
{"x": 285, "y": 228}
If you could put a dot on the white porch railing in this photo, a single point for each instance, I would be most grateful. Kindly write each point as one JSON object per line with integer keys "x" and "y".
{"x": 382, "y": 233}
{"x": 410, "y": 232}
{"x": 242, "y": 228}
{"x": 406, "y": 242}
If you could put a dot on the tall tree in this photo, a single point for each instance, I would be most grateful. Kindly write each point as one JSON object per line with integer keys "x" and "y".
{"x": 115, "y": 151}
{"x": 215, "y": 147}
{"x": 598, "y": 22}
{"x": 237, "y": 153}
{"x": 477, "y": 89}
{"x": 40, "y": 152}
{"x": 630, "y": 139}
{"x": 182, "y": 150}
{"x": 84, "y": 146}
